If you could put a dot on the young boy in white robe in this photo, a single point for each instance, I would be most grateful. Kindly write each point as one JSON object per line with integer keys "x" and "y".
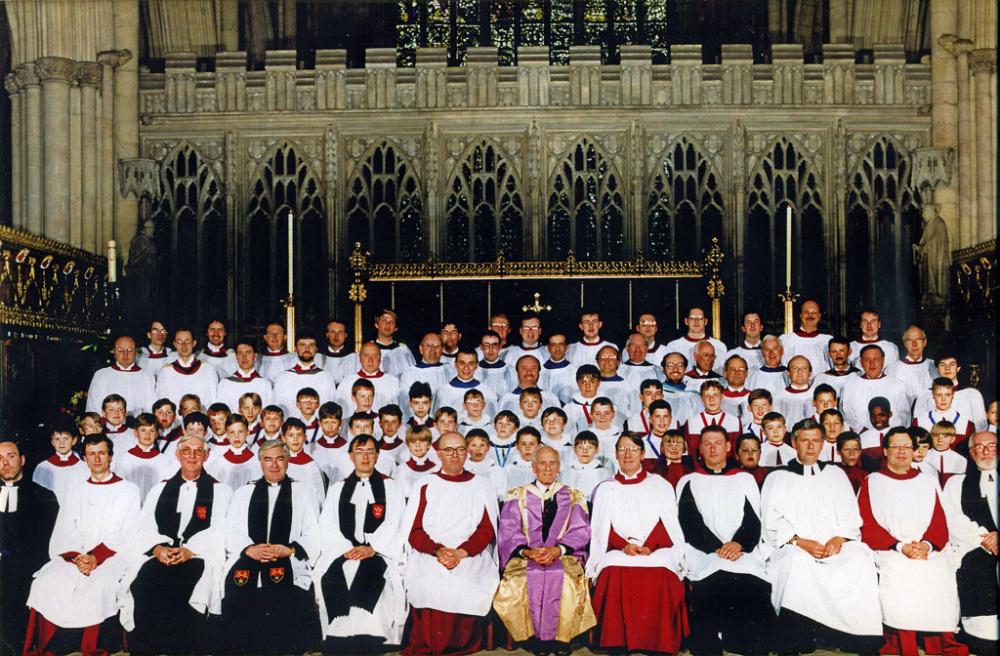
{"x": 419, "y": 464}
{"x": 236, "y": 465}
{"x": 113, "y": 413}
{"x": 445, "y": 421}
{"x": 943, "y": 393}
{"x": 775, "y": 451}
{"x": 942, "y": 457}
{"x": 554, "y": 433}
{"x": 833, "y": 422}
{"x": 250, "y": 406}
{"x": 505, "y": 427}
{"x": 63, "y": 468}
{"x": 606, "y": 428}
{"x": 391, "y": 437}
{"x": 306, "y": 407}
{"x": 301, "y": 466}
{"x": 217, "y": 415}
{"x": 585, "y": 471}
{"x": 530, "y": 408}
{"x": 143, "y": 464}
{"x": 272, "y": 418}
{"x": 518, "y": 466}
{"x": 759, "y": 402}
{"x": 477, "y": 441}
{"x": 420, "y": 403}
{"x": 330, "y": 448}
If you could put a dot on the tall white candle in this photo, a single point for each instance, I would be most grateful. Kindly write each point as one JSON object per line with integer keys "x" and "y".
{"x": 788, "y": 246}
{"x": 291, "y": 254}
{"x": 112, "y": 262}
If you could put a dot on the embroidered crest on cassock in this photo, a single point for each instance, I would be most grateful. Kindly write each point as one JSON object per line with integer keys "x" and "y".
{"x": 201, "y": 512}
{"x": 277, "y": 574}
{"x": 241, "y": 576}
{"x": 378, "y": 509}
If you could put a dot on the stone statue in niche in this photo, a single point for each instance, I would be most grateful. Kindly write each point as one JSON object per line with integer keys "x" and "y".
{"x": 933, "y": 257}
{"x": 141, "y": 277}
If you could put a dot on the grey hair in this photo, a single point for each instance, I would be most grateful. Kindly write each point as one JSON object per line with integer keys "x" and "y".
{"x": 273, "y": 444}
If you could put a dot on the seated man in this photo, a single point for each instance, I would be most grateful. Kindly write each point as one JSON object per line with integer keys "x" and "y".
{"x": 729, "y": 591}
{"x": 272, "y": 533}
{"x": 451, "y": 570}
{"x": 544, "y": 594}
{"x": 824, "y": 588}
{"x": 78, "y": 587}
{"x": 970, "y": 503}
{"x": 359, "y": 578}
{"x": 177, "y": 557}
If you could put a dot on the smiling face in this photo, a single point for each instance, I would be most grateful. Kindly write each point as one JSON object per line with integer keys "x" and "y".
{"x": 629, "y": 456}
{"x": 799, "y": 371}
{"x": 736, "y": 372}
{"x": 274, "y": 336}
{"x": 809, "y": 316}
{"x": 752, "y": 327}
{"x": 660, "y": 420}
{"x": 872, "y": 362}
{"x": 528, "y": 371}
{"x": 870, "y": 325}
{"x": 899, "y": 453}
{"x": 673, "y": 367}
{"x": 608, "y": 361}
{"x": 546, "y": 465}
{"x": 695, "y": 322}
{"x": 273, "y": 464}
{"x": 216, "y": 333}
{"x": 879, "y": 417}
{"x": 192, "y": 455}
{"x": 465, "y": 365}
{"x": 114, "y": 413}
{"x": 771, "y": 350}
{"x": 636, "y": 348}
{"x": 531, "y": 330}
{"x": 431, "y": 348}
{"x": 370, "y": 357}
{"x": 184, "y": 343}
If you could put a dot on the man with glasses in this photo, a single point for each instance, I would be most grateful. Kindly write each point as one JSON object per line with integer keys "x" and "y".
{"x": 807, "y": 340}
{"x": 696, "y": 322}
{"x": 451, "y": 570}
{"x": 177, "y": 558}
{"x": 125, "y": 378}
{"x": 531, "y": 343}
{"x": 187, "y": 374}
{"x": 156, "y": 354}
{"x": 585, "y": 351}
{"x": 274, "y": 358}
{"x": 970, "y": 504}
{"x": 647, "y": 327}
{"x": 358, "y": 579}
{"x": 683, "y": 401}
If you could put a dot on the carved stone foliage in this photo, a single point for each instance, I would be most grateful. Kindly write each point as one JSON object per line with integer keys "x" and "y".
{"x": 586, "y": 200}
{"x": 684, "y": 205}
{"x": 190, "y": 219}
{"x": 485, "y": 209}
{"x": 384, "y": 207}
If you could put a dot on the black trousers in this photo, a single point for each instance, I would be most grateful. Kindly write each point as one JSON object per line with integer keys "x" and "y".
{"x": 165, "y": 623}
{"x": 797, "y": 634}
{"x": 732, "y": 612}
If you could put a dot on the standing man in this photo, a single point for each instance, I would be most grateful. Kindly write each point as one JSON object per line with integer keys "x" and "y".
{"x": 585, "y": 351}
{"x": 337, "y": 357}
{"x": 396, "y": 356}
{"x": 647, "y": 327}
{"x": 861, "y": 388}
{"x": 244, "y": 379}
{"x": 177, "y": 558}
{"x": 187, "y": 374}
{"x": 970, "y": 503}
{"x": 275, "y": 357}
{"x": 156, "y": 354}
{"x": 807, "y": 340}
{"x": 304, "y": 373}
{"x": 749, "y": 348}
{"x": 795, "y": 401}
{"x": 125, "y": 378}
{"x": 429, "y": 369}
{"x": 913, "y": 368}
{"x": 78, "y": 587}
{"x": 528, "y": 373}
{"x": 531, "y": 340}
{"x": 637, "y": 367}
{"x": 543, "y": 540}
{"x": 27, "y": 517}
{"x": 451, "y": 572}
{"x": 824, "y": 584}
{"x": 451, "y": 339}
{"x": 696, "y": 323}
{"x": 838, "y": 351}
{"x": 558, "y": 374}
{"x": 386, "y": 385}
{"x": 735, "y": 393}
{"x": 493, "y": 369}
{"x": 215, "y": 351}
{"x": 870, "y": 325}
{"x": 453, "y": 393}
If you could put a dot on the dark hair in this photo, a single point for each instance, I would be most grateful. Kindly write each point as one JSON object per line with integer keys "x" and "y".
{"x": 760, "y": 393}
{"x": 293, "y": 422}
{"x": 331, "y": 409}
{"x": 528, "y": 430}
{"x": 898, "y": 430}
{"x": 831, "y": 412}
{"x": 602, "y": 400}
{"x": 360, "y": 440}
{"x": 507, "y": 414}
{"x": 359, "y": 416}
{"x": 219, "y": 407}
{"x": 838, "y": 339}
{"x": 98, "y": 438}
{"x": 711, "y": 428}
{"x": 392, "y": 410}
{"x": 587, "y": 370}
{"x": 237, "y": 418}
{"x": 871, "y": 347}
{"x": 307, "y": 392}
{"x": 660, "y": 404}
{"x": 586, "y": 436}
{"x": 847, "y": 436}
{"x": 663, "y": 361}
{"x": 246, "y": 341}
{"x": 420, "y": 390}
{"x": 114, "y": 398}
{"x": 650, "y": 383}
{"x": 824, "y": 388}
{"x": 711, "y": 383}
{"x": 879, "y": 402}
{"x": 746, "y": 437}
{"x": 159, "y": 403}
{"x": 477, "y": 432}
{"x": 554, "y": 410}
{"x": 531, "y": 391}
{"x": 631, "y": 437}
{"x": 196, "y": 417}
{"x": 142, "y": 419}
{"x": 61, "y": 423}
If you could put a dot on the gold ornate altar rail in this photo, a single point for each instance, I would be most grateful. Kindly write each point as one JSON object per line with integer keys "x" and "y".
{"x": 502, "y": 269}
{"x": 45, "y": 285}
{"x": 975, "y": 277}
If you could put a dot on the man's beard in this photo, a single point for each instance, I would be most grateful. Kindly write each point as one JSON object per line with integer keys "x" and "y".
{"x": 307, "y": 358}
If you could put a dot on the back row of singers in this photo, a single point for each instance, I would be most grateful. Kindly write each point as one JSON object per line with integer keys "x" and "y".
{"x": 839, "y": 570}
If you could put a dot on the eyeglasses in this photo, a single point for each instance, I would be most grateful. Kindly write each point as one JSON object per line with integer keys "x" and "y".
{"x": 979, "y": 448}
{"x": 647, "y": 324}
{"x": 453, "y": 451}
{"x": 365, "y": 452}
{"x": 900, "y": 447}
{"x": 158, "y": 331}
{"x": 188, "y": 451}
{"x": 628, "y": 450}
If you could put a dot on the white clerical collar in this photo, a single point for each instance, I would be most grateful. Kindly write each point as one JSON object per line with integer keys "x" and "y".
{"x": 63, "y": 457}
{"x": 185, "y": 363}
{"x": 156, "y": 350}
{"x": 631, "y": 477}
{"x": 246, "y": 373}
{"x": 809, "y": 470}
{"x": 102, "y": 479}
{"x": 755, "y": 345}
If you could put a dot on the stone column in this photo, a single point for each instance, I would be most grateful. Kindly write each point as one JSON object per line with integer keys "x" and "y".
{"x": 944, "y": 102}
{"x": 31, "y": 113}
{"x": 107, "y": 60}
{"x": 75, "y": 166}
{"x": 55, "y": 74}
{"x": 126, "y": 111}
{"x": 983, "y": 63}
{"x": 88, "y": 76}
{"x": 966, "y": 142}
{"x": 16, "y": 153}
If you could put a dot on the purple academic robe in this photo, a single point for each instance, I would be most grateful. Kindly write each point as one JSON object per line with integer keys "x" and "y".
{"x": 544, "y": 583}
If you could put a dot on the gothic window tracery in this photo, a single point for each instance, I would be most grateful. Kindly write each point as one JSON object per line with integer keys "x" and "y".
{"x": 384, "y": 207}
{"x": 684, "y": 204}
{"x": 285, "y": 181}
{"x": 784, "y": 176}
{"x": 485, "y": 209}
{"x": 190, "y": 235}
{"x": 883, "y": 222}
{"x": 586, "y": 206}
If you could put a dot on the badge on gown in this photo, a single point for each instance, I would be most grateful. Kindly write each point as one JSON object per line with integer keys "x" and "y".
{"x": 201, "y": 512}
{"x": 277, "y": 574}
{"x": 241, "y": 576}
{"x": 378, "y": 509}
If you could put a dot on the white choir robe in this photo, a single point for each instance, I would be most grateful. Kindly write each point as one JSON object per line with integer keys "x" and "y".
{"x": 685, "y": 346}
{"x": 144, "y": 468}
{"x": 304, "y": 531}
{"x": 683, "y": 403}
{"x": 514, "y": 353}
{"x": 702, "y": 419}
{"x": 386, "y": 391}
{"x": 584, "y": 477}
{"x": 773, "y": 379}
{"x": 794, "y": 404}
{"x": 233, "y": 468}
{"x": 813, "y": 346}
{"x": 917, "y": 376}
{"x": 496, "y": 375}
{"x": 858, "y": 391}
{"x": 488, "y": 468}
{"x": 435, "y": 375}
{"x": 840, "y": 592}
{"x": 338, "y": 363}
{"x": 57, "y": 473}
{"x": 136, "y": 385}
{"x": 465, "y": 424}
{"x": 578, "y": 417}
{"x": 209, "y": 545}
{"x": 721, "y": 500}
{"x": 452, "y": 394}
{"x": 270, "y": 365}
{"x": 946, "y": 462}
{"x": 511, "y": 400}
{"x": 775, "y": 455}
{"x": 968, "y": 401}
{"x": 173, "y": 382}
{"x": 633, "y": 511}
{"x": 388, "y": 617}
{"x": 519, "y": 471}
{"x": 828, "y": 452}
{"x": 752, "y": 354}
{"x": 901, "y": 510}
{"x": 224, "y": 360}
{"x": 559, "y": 378}
{"x": 288, "y": 384}
{"x": 154, "y": 362}
{"x": 835, "y": 379}
{"x": 95, "y": 517}
{"x": 656, "y": 353}
{"x": 623, "y": 395}
{"x": 580, "y": 353}
{"x": 636, "y": 373}
{"x": 891, "y": 350}
{"x": 332, "y": 457}
{"x": 452, "y": 512}
{"x": 411, "y": 473}
{"x": 966, "y": 535}
{"x": 608, "y": 439}
{"x": 303, "y": 469}
{"x": 734, "y": 402}
{"x": 231, "y": 388}
{"x": 396, "y": 358}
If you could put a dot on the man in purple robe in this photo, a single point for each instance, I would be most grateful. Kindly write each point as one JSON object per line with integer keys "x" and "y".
{"x": 544, "y": 531}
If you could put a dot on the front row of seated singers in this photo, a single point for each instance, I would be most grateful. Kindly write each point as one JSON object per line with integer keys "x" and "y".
{"x": 802, "y": 563}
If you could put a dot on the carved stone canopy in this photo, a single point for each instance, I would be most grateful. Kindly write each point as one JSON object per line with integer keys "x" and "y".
{"x": 932, "y": 167}
{"x": 138, "y": 178}
{"x": 88, "y": 74}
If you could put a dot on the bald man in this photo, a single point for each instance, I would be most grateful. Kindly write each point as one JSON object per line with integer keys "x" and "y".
{"x": 386, "y": 385}
{"x": 124, "y": 377}
{"x": 807, "y": 339}
{"x": 428, "y": 369}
